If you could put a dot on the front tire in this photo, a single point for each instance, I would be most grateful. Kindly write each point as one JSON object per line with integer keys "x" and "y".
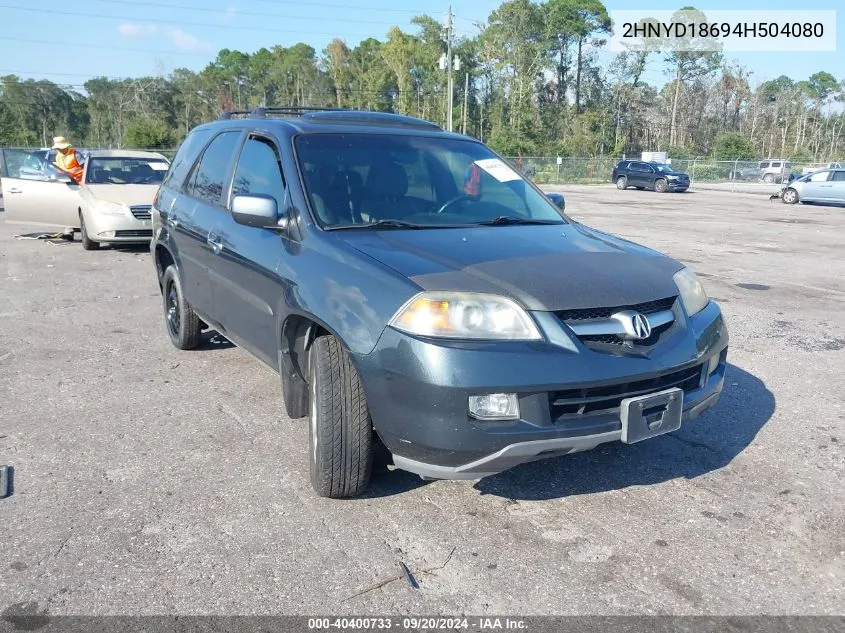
{"x": 87, "y": 243}
{"x": 789, "y": 196}
{"x": 183, "y": 324}
{"x": 660, "y": 185}
{"x": 769, "y": 179}
{"x": 622, "y": 182}
{"x": 340, "y": 440}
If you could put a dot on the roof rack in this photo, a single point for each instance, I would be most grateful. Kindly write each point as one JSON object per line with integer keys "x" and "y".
{"x": 262, "y": 112}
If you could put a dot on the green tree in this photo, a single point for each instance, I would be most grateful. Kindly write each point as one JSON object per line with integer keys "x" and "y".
{"x": 732, "y": 146}
{"x": 147, "y": 133}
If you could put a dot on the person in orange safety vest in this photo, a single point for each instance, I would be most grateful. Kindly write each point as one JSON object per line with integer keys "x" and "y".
{"x": 68, "y": 159}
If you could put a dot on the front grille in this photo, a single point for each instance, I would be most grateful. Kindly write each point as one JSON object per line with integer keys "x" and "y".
{"x": 582, "y": 314}
{"x": 134, "y": 233}
{"x": 613, "y": 339}
{"x": 572, "y": 403}
{"x": 141, "y": 212}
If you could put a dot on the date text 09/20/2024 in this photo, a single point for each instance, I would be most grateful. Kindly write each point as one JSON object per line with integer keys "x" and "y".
{"x": 416, "y": 623}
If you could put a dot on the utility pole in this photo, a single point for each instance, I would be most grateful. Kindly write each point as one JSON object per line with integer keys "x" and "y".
{"x": 449, "y": 86}
{"x": 466, "y": 99}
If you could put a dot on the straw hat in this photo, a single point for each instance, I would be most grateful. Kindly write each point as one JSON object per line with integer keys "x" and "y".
{"x": 60, "y": 142}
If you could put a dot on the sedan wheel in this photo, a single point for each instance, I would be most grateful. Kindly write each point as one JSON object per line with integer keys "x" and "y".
{"x": 789, "y": 196}
{"x": 87, "y": 243}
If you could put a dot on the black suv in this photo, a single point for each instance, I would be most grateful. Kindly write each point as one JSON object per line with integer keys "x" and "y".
{"x": 414, "y": 290}
{"x": 642, "y": 175}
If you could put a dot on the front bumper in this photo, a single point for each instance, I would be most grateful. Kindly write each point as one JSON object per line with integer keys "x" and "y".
{"x": 417, "y": 391}
{"x": 678, "y": 185}
{"x": 110, "y": 228}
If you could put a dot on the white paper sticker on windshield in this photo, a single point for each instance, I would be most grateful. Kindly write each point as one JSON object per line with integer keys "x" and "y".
{"x": 499, "y": 170}
{"x": 159, "y": 166}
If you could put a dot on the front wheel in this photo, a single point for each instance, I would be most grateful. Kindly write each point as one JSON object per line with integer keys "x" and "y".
{"x": 621, "y": 182}
{"x": 183, "y": 324}
{"x": 769, "y": 179}
{"x": 789, "y": 196}
{"x": 660, "y": 185}
{"x": 340, "y": 441}
{"x": 87, "y": 243}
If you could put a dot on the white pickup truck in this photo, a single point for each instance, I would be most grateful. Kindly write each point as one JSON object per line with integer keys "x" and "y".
{"x": 810, "y": 170}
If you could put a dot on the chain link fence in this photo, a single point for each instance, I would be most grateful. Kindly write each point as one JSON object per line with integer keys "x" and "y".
{"x": 553, "y": 170}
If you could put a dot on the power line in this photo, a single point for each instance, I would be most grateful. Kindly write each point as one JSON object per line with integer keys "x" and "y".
{"x": 308, "y": 3}
{"x": 179, "y": 23}
{"x": 237, "y": 12}
{"x": 132, "y": 49}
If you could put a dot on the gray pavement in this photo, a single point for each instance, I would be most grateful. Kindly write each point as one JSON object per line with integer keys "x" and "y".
{"x": 153, "y": 481}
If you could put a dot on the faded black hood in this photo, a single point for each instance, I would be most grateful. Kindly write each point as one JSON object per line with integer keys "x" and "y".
{"x": 551, "y": 267}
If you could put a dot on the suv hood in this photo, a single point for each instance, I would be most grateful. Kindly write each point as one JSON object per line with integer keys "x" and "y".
{"x": 553, "y": 267}
{"x": 124, "y": 194}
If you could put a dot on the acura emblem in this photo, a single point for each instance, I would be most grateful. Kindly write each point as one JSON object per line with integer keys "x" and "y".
{"x": 641, "y": 326}
{"x": 635, "y": 325}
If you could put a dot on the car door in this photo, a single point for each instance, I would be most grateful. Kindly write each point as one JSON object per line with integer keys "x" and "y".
{"x": 197, "y": 212}
{"x": 816, "y": 187}
{"x": 636, "y": 174}
{"x": 246, "y": 287}
{"x": 837, "y": 182}
{"x": 35, "y": 192}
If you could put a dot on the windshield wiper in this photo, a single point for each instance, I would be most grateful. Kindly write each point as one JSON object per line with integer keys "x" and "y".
{"x": 383, "y": 224}
{"x": 509, "y": 219}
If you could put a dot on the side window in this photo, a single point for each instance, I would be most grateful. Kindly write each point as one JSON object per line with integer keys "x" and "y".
{"x": 838, "y": 176}
{"x": 208, "y": 180}
{"x": 185, "y": 157}
{"x": 775, "y": 165}
{"x": 648, "y": 168}
{"x": 764, "y": 165}
{"x": 819, "y": 176}
{"x": 30, "y": 165}
{"x": 259, "y": 170}
{"x": 641, "y": 167}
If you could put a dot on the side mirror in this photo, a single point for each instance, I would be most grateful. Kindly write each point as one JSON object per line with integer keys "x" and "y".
{"x": 257, "y": 210}
{"x": 557, "y": 199}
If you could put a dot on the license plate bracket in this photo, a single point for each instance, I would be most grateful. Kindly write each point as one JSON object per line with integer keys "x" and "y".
{"x": 648, "y": 416}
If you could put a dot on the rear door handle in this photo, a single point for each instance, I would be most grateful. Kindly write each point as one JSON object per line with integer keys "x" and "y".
{"x": 215, "y": 243}
{"x": 15, "y": 190}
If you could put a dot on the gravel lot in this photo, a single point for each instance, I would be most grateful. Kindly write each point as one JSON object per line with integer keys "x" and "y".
{"x": 153, "y": 481}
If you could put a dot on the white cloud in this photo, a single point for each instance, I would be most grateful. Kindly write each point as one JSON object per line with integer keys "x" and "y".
{"x": 132, "y": 29}
{"x": 188, "y": 43}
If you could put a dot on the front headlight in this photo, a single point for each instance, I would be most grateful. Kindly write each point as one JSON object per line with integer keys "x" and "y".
{"x": 108, "y": 208}
{"x": 465, "y": 315}
{"x": 692, "y": 292}
{"x": 671, "y": 177}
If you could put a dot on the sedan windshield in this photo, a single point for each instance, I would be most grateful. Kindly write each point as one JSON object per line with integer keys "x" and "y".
{"x": 115, "y": 170}
{"x": 381, "y": 181}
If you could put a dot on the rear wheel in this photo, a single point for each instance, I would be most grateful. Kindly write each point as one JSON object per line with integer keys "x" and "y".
{"x": 183, "y": 324}
{"x": 87, "y": 243}
{"x": 789, "y": 196}
{"x": 621, "y": 182}
{"x": 660, "y": 185}
{"x": 340, "y": 441}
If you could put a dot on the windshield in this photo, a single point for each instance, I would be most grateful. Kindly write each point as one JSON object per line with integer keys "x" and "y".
{"x": 663, "y": 169}
{"x": 115, "y": 170}
{"x": 364, "y": 179}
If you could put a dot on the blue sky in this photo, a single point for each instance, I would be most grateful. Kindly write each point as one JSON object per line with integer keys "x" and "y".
{"x": 142, "y": 37}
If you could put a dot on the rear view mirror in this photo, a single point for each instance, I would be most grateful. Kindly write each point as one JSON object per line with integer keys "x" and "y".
{"x": 558, "y": 200}
{"x": 257, "y": 210}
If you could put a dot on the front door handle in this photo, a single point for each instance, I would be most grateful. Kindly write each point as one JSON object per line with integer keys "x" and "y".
{"x": 215, "y": 242}
{"x": 15, "y": 190}
{"x": 171, "y": 222}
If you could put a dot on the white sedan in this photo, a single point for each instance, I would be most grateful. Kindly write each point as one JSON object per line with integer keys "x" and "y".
{"x": 112, "y": 205}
